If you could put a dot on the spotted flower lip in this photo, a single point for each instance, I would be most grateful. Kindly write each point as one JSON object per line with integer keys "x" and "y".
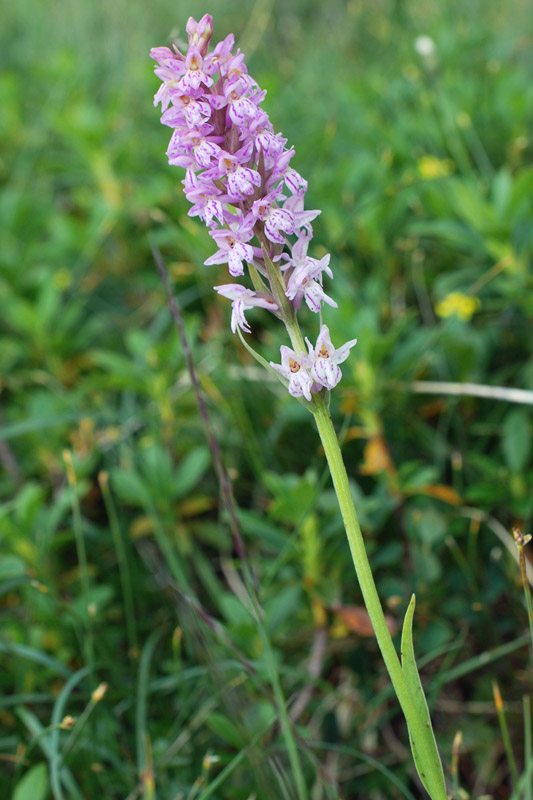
{"x": 186, "y": 107}
{"x": 305, "y": 280}
{"x": 306, "y": 283}
{"x": 277, "y": 221}
{"x": 206, "y": 199}
{"x": 266, "y": 141}
{"x": 292, "y": 179}
{"x": 294, "y": 367}
{"x": 325, "y": 359}
{"x": 233, "y": 247}
{"x": 202, "y": 144}
{"x": 240, "y": 107}
{"x": 242, "y": 180}
{"x": 197, "y": 73}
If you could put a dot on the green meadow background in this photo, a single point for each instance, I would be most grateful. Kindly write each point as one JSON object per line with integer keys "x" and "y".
{"x": 117, "y": 566}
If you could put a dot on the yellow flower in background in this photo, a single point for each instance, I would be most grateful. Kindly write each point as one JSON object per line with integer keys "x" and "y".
{"x": 62, "y": 279}
{"x": 431, "y": 167}
{"x": 462, "y": 305}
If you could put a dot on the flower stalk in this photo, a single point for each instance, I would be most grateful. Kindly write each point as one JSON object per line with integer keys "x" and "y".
{"x": 432, "y": 776}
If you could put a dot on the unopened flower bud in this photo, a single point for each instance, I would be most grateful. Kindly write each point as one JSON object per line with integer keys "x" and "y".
{"x": 200, "y": 32}
{"x": 99, "y": 692}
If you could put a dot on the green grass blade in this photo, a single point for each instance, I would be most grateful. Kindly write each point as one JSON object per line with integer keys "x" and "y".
{"x": 38, "y": 424}
{"x": 528, "y": 750}
{"x": 480, "y": 661}
{"x": 31, "y": 654}
{"x": 58, "y": 712}
{"x": 142, "y": 736}
{"x": 372, "y": 762}
{"x": 36, "y": 729}
{"x": 122, "y": 559}
{"x": 81, "y": 550}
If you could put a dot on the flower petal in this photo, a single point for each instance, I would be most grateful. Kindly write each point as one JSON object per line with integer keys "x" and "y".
{"x": 343, "y": 352}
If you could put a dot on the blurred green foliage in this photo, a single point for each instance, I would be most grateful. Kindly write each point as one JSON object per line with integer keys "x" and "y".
{"x": 117, "y": 564}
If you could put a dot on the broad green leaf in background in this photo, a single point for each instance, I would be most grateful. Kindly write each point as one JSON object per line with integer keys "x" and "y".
{"x": 227, "y": 731}
{"x": 130, "y": 487}
{"x": 11, "y": 567}
{"x": 191, "y": 470}
{"x": 516, "y": 439}
{"x": 33, "y": 785}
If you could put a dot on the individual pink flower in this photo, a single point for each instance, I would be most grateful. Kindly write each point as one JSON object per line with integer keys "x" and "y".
{"x": 170, "y": 73}
{"x": 325, "y": 359}
{"x": 278, "y": 221}
{"x": 233, "y": 247}
{"x": 241, "y": 180}
{"x": 205, "y": 197}
{"x": 195, "y": 73}
{"x": 306, "y": 283}
{"x": 306, "y": 277}
{"x": 283, "y": 171}
{"x": 295, "y": 206}
{"x": 188, "y": 108}
{"x": 240, "y": 108}
{"x": 204, "y": 147}
{"x": 222, "y": 54}
{"x": 295, "y": 368}
{"x": 234, "y": 68}
{"x": 261, "y": 132}
{"x": 244, "y": 299}
{"x": 180, "y": 155}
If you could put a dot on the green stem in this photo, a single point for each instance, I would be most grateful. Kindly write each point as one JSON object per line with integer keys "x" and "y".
{"x": 520, "y": 542}
{"x": 295, "y": 335}
{"x": 528, "y": 750}
{"x": 82, "y": 557}
{"x": 122, "y": 559}
{"x": 415, "y": 724}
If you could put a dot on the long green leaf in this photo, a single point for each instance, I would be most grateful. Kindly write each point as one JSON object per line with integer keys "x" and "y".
{"x": 31, "y": 654}
{"x": 142, "y": 734}
{"x": 425, "y": 753}
{"x": 58, "y": 712}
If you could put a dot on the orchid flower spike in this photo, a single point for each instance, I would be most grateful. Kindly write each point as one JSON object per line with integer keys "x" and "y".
{"x": 240, "y": 183}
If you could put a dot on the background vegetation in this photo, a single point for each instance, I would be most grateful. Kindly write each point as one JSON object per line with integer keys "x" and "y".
{"x": 117, "y": 564}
